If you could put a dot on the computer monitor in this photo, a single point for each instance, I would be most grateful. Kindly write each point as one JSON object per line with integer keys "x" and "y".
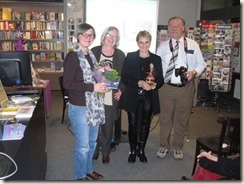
{"x": 10, "y": 72}
{"x": 19, "y": 61}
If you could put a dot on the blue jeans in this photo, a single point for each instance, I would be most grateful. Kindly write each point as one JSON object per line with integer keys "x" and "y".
{"x": 85, "y": 141}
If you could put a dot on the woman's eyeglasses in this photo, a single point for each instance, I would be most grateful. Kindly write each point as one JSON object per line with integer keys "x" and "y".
{"x": 85, "y": 35}
{"x": 112, "y": 36}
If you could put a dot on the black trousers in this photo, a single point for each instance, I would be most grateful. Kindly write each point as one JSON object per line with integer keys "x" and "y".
{"x": 139, "y": 121}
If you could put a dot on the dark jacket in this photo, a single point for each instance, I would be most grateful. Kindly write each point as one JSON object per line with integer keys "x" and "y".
{"x": 229, "y": 168}
{"x": 118, "y": 61}
{"x": 131, "y": 74}
{"x": 73, "y": 80}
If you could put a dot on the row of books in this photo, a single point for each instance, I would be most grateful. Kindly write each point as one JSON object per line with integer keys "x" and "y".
{"x": 31, "y": 25}
{"x": 45, "y": 45}
{"x": 47, "y": 56}
{"x": 43, "y": 35}
{"x": 9, "y": 14}
{"x": 33, "y": 46}
{"x": 32, "y": 34}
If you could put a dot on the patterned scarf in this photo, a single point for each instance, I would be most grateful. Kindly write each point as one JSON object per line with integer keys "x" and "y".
{"x": 95, "y": 112}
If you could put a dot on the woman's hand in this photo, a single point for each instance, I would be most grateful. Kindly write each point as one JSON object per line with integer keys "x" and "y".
{"x": 101, "y": 87}
{"x": 117, "y": 95}
{"x": 144, "y": 85}
{"x": 208, "y": 155}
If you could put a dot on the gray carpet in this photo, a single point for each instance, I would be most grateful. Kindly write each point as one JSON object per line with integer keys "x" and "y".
{"x": 60, "y": 143}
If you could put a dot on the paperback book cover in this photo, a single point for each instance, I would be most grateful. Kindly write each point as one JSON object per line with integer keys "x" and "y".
{"x": 13, "y": 131}
{"x": 25, "y": 112}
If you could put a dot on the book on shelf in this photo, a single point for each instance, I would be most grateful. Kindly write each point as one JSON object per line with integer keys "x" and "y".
{"x": 27, "y": 26}
{"x": 1, "y": 13}
{"x": 13, "y": 131}
{"x": 51, "y": 16}
{"x": 52, "y": 56}
{"x": 60, "y": 16}
{"x": 27, "y": 35}
{"x": 53, "y": 25}
{"x": 35, "y": 46}
{"x": 40, "y": 34}
{"x": 61, "y": 34}
{"x": 34, "y": 16}
{"x": 16, "y": 15}
{"x": 49, "y": 34}
{"x": 58, "y": 56}
{"x": 43, "y": 56}
{"x": 22, "y": 16}
{"x": 38, "y": 57}
{"x": 6, "y": 13}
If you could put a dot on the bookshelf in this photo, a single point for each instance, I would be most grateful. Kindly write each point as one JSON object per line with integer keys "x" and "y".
{"x": 39, "y": 28}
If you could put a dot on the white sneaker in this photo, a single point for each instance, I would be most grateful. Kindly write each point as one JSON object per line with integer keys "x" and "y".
{"x": 162, "y": 152}
{"x": 178, "y": 154}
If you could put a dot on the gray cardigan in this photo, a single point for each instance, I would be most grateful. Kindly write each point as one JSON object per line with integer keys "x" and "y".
{"x": 118, "y": 62}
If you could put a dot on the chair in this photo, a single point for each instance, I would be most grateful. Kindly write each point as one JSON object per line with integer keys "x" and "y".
{"x": 65, "y": 96}
{"x": 208, "y": 98}
{"x": 225, "y": 144}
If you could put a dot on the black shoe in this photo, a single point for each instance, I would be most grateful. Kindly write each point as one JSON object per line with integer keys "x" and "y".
{"x": 142, "y": 156}
{"x": 132, "y": 157}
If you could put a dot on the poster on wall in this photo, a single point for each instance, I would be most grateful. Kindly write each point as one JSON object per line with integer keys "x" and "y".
{"x": 162, "y": 34}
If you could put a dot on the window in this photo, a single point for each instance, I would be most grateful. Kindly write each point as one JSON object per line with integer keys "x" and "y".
{"x": 129, "y": 16}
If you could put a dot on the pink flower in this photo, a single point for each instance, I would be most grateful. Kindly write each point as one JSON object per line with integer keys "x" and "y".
{"x": 106, "y": 74}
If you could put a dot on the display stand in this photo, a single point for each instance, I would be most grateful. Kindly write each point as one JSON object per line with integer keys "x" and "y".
{"x": 216, "y": 43}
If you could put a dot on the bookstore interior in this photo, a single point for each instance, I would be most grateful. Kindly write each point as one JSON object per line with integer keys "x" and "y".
{"x": 33, "y": 44}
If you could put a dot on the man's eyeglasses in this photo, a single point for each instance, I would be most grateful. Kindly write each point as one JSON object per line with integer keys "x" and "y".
{"x": 112, "y": 36}
{"x": 85, "y": 35}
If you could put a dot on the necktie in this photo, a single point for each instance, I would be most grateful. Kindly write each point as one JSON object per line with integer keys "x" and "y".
{"x": 171, "y": 64}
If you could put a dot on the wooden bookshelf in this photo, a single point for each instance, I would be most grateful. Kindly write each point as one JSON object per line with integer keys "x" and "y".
{"x": 42, "y": 28}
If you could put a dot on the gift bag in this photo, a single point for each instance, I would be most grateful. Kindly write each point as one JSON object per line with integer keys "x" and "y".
{"x": 203, "y": 174}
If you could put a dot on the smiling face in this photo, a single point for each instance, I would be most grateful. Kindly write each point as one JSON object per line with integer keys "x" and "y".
{"x": 176, "y": 28}
{"x": 111, "y": 38}
{"x": 86, "y": 39}
{"x": 144, "y": 44}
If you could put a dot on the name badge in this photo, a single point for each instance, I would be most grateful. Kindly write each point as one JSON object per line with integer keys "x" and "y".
{"x": 190, "y": 51}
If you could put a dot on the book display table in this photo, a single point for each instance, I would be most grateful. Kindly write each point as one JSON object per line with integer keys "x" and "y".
{"x": 29, "y": 153}
{"x": 45, "y": 85}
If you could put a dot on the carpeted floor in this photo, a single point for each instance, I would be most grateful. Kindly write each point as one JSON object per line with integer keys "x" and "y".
{"x": 60, "y": 142}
